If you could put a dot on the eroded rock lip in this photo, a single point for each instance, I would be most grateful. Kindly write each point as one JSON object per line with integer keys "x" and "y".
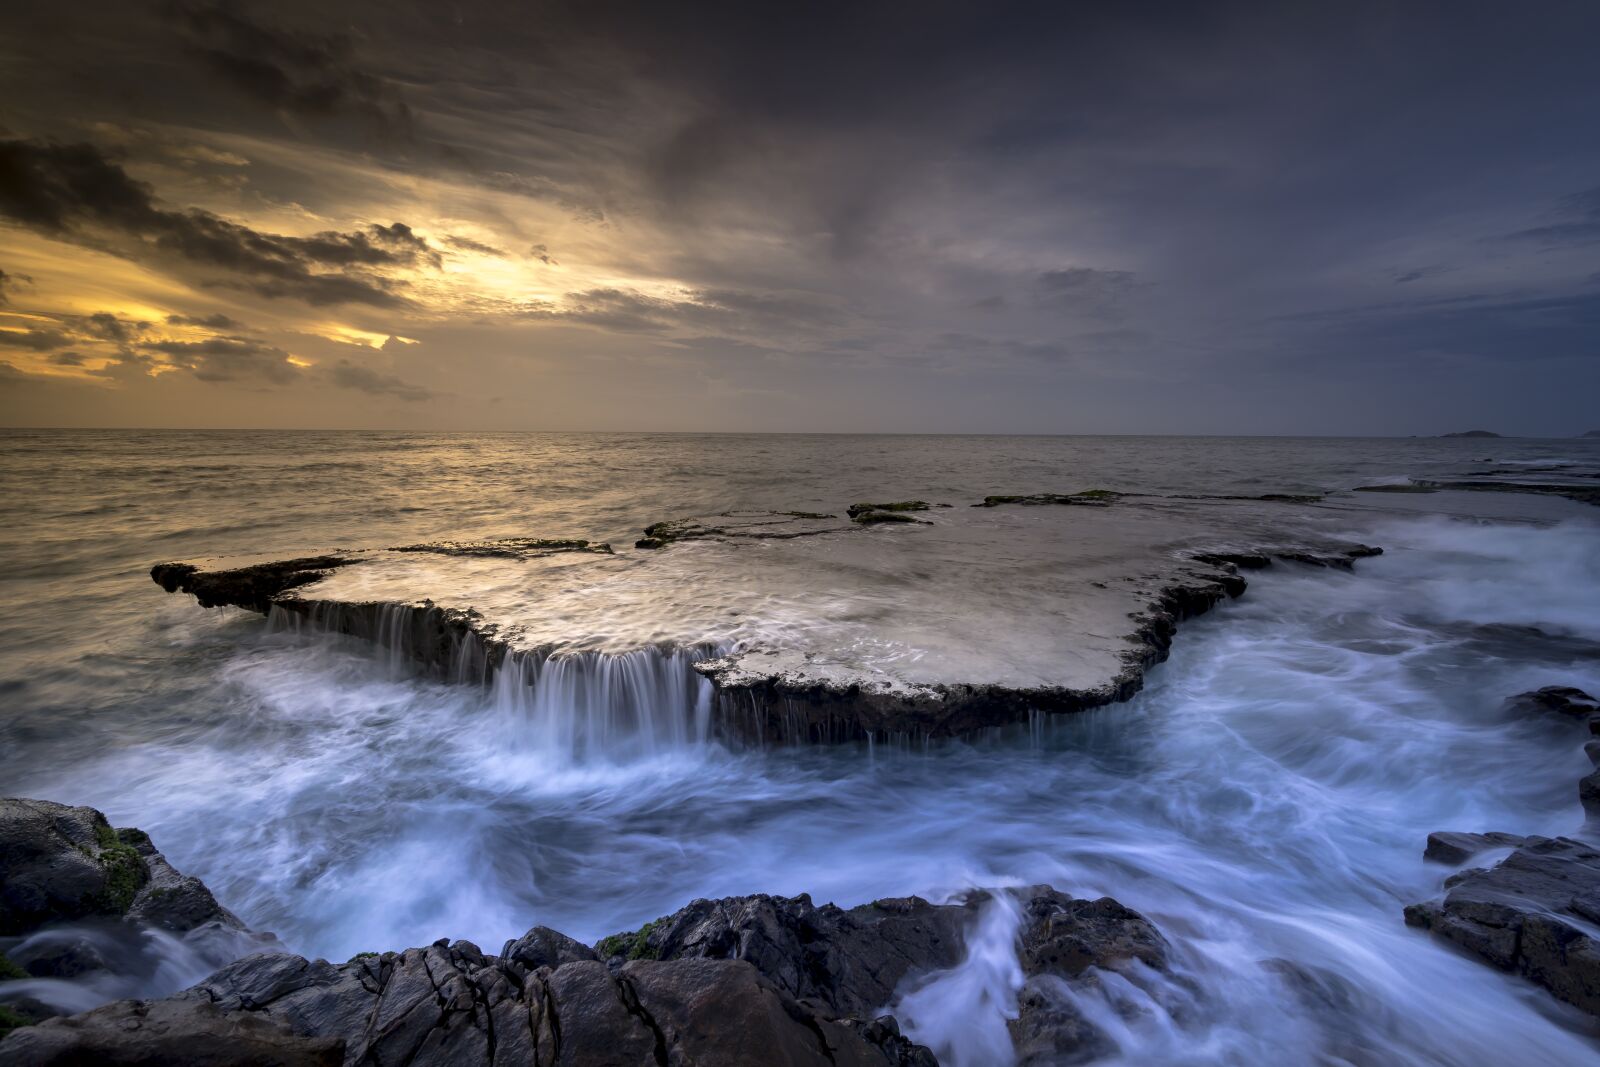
{"x": 1092, "y": 498}
{"x": 810, "y": 628}
{"x": 1583, "y": 494}
{"x": 254, "y": 587}
{"x": 508, "y": 547}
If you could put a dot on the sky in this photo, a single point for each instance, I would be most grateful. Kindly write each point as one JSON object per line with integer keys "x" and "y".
{"x": 1254, "y": 218}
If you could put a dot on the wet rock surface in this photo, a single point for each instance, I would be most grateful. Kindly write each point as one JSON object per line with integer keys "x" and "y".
{"x": 1532, "y": 914}
{"x": 751, "y": 525}
{"x": 1537, "y": 912}
{"x": 1517, "y": 481}
{"x": 62, "y": 863}
{"x": 743, "y": 980}
{"x": 508, "y": 547}
{"x": 79, "y": 899}
{"x": 809, "y": 627}
{"x": 1560, "y": 699}
{"x": 1452, "y": 848}
{"x": 1092, "y": 498}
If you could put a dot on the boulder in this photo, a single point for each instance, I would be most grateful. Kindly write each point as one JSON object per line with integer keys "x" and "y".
{"x": 450, "y": 1004}
{"x": 1455, "y": 849}
{"x": 1561, "y": 699}
{"x": 849, "y": 961}
{"x": 133, "y": 1033}
{"x": 61, "y": 863}
{"x": 1530, "y": 914}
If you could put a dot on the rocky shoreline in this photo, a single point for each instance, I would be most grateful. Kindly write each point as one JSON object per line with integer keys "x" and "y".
{"x": 740, "y": 980}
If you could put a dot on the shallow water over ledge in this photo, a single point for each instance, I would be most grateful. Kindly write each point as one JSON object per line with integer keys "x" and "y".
{"x": 1266, "y": 798}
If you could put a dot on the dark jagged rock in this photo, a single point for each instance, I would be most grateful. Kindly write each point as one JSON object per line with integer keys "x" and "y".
{"x": 1093, "y": 498}
{"x": 855, "y": 510}
{"x": 1454, "y": 849}
{"x": 1064, "y": 937}
{"x": 744, "y": 980}
{"x": 62, "y": 863}
{"x": 1529, "y": 914}
{"x": 80, "y": 897}
{"x": 1561, "y": 699}
{"x": 544, "y": 947}
{"x": 874, "y": 518}
{"x": 1404, "y": 487}
{"x": 254, "y": 587}
{"x": 509, "y": 547}
{"x": 450, "y": 1004}
{"x": 132, "y": 1033}
{"x": 1341, "y": 558}
{"x": 850, "y": 961}
{"x": 758, "y": 525}
{"x": 1583, "y": 494}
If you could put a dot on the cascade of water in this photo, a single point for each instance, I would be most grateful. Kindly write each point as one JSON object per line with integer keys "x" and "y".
{"x": 571, "y": 706}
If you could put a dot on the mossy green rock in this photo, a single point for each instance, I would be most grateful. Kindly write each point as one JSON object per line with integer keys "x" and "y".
{"x": 59, "y": 862}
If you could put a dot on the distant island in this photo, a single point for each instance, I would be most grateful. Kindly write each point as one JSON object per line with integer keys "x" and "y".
{"x": 1591, "y": 433}
{"x": 1471, "y": 433}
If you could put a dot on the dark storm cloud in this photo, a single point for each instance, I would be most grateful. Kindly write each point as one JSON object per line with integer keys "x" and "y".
{"x": 75, "y": 192}
{"x": 349, "y": 375}
{"x": 750, "y": 314}
{"x": 210, "y": 322}
{"x": 314, "y": 74}
{"x": 34, "y": 338}
{"x": 109, "y": 327}
{"x": 1172, "y": 192}
{"x": 8, "y": 284}
{"x": 229, "y": 359}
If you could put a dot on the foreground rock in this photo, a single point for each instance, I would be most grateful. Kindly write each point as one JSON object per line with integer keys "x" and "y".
{"x": 1537, "y": 912}
{"x": 1530, "y": 914}
{"x": 1560, "y": 699}
{"x": 63, "y": 863}
{"x": 745, "y": 980}
{"x": 80, "y": 899}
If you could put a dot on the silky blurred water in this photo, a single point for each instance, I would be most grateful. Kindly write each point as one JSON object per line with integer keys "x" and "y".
{"x": 1266, "y": 798}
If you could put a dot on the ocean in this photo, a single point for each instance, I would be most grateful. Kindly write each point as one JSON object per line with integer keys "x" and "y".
{"x": 1266, "y": 797}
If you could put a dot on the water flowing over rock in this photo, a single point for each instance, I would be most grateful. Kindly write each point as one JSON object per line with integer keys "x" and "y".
{"x": 742, "y": 980}
{"x": 1537, "y": 912}
{"x": 755, "y": 624}
{"x": 79, "y": 897}
{"x": 1531, "y": 914}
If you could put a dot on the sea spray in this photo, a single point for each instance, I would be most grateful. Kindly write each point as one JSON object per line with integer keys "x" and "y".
{"x": 961, "y": 1014}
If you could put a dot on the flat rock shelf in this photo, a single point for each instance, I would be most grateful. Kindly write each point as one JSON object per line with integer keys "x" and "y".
{"x": 804, "y": 626}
